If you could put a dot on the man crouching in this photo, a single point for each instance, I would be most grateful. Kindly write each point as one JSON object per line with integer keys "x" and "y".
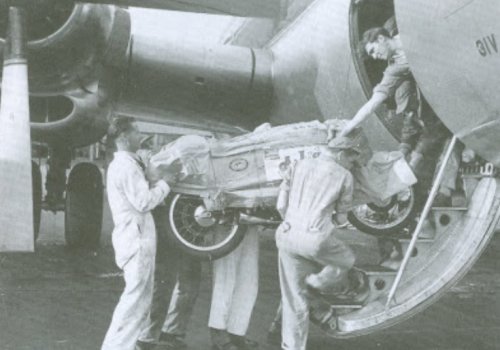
{"x": 310, "y": 256}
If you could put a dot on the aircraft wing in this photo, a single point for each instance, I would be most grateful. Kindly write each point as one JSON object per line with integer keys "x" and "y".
{"x": 240, "y": 8}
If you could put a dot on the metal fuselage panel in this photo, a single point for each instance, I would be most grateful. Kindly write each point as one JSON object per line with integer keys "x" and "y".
{"x": 453, "y": 47}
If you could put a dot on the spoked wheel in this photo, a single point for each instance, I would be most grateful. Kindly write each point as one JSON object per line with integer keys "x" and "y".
{"x": 388, "y": 217}
{"x": 201, "y": 233}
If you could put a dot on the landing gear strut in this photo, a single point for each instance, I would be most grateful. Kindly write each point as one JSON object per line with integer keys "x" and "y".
{"x": 59, "y": 161}
{"x": 36, "y": 177}
{"x": 83, "y": 203}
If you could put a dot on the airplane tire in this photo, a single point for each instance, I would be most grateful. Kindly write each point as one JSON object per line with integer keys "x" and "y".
{"x": 36, "y": 178}
{"x": 387, "y": 223}
{"x": 84, "y": 206}
{"x": 203, "y": 242}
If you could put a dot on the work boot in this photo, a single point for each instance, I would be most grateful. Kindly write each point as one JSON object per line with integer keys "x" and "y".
{"x": 221, "y": 340}
{"x": 359, "y": 289}
{"x": 326, "y": 320}
{"x": 356, "y": 292}
{"x": 172, "y": 341}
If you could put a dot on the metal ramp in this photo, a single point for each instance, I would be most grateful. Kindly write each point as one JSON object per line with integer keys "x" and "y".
{"x": 453, "y": 241}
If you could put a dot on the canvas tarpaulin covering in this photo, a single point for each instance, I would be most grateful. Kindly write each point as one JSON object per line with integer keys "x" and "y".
{"x": 253, "y": 159}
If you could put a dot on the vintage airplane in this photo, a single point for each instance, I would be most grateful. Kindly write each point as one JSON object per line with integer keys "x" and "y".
{"x": 84, "y": 65}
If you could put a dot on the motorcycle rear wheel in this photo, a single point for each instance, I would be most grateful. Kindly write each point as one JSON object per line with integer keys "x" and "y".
{"x": 219, "y": 236}
{"x": 387, "y": 218}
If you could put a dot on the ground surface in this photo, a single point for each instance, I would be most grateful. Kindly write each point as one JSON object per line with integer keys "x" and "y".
{"x": 56, "y": 299}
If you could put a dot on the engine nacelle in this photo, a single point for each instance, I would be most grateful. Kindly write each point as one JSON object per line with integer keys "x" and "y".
{"x": 73, "y": 53}
{"x": 68, "y": 43}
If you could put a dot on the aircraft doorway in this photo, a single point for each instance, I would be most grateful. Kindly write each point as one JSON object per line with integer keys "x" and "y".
{"x": 363, "y": 16}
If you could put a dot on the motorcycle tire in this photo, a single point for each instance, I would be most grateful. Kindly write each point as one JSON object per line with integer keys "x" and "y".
{"x": 387, "y": 228}
{"x": 191, "y": 237}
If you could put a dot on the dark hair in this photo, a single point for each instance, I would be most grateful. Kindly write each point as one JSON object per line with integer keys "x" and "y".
{"x": 119, "y": 125}
{"x": 371, "y": 36}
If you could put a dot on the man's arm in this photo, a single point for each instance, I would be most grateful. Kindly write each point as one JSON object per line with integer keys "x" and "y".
{"x": 138, "y": 193}
{"x": 368, "y": 108}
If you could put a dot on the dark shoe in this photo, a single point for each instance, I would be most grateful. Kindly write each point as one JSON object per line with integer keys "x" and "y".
{"x": 221, "y": 340}
{"x": 360, "y": 288}
{"x": 140, "y": 345}
{"x": 171, "y": 341}
{"x": 442, "y": 201}
{"x": 327, "y": 321}
{"x": 274, "y": 333}
{"x": 242, "y": 342}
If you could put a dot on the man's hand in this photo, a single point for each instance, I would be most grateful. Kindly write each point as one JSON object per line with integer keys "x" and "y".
{"x": 153, "y": 173}
{"x": 334, "y": 126}
{"x": 331, "y": 133}
{"x": 172, "y": 172}
{"x": 170, "y": 177}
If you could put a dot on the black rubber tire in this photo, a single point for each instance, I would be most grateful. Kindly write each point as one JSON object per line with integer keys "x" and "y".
{"x": 84, "y": 207}
{"x": 173, "y": 206}
{"x": 36, "y": 178}
{"x": 391, "y": 230}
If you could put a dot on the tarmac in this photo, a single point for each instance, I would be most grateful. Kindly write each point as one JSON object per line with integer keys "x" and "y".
{"x": 61, "y": 299}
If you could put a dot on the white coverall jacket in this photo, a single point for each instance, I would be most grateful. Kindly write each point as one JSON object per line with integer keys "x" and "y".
{"x": 131, "y": 199}
{"x": 306, "y": 239}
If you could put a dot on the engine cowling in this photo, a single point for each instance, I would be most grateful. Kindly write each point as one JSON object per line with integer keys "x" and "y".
{"x": 73, "y": 50}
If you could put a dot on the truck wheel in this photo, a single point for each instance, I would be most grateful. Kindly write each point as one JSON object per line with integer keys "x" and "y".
{"x": 84, "y": 205}
{"x": 200, "y": 233}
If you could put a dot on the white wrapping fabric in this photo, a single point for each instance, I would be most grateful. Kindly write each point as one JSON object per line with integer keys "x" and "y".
{"x": 385, "y": 174}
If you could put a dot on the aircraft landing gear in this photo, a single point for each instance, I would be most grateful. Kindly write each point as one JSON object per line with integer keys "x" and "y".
{"x": 84, "y": 206}
{"x": 36, "y": 177}
{"x": 81, "y": 198}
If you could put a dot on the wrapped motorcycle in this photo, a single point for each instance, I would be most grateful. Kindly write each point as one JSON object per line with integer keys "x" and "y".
{"x": 226, "y": 185}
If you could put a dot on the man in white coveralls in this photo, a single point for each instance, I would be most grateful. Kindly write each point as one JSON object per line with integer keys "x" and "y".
{"x": 311, "y": 258}
{"x": 131, "y": 199}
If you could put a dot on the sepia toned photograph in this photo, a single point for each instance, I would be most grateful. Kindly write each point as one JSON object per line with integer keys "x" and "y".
{"x": 249, "y": 174}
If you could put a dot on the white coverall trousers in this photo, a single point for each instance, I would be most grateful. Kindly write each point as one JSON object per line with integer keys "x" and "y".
{"x": 131, "y": 313}
{"x": 300, "y": 255}
{"x": 235, "y": 286}
{"x": 131, "y": 198}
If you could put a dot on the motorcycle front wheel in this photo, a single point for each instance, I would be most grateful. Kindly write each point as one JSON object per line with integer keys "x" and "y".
{"x": 200, "y": 233}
